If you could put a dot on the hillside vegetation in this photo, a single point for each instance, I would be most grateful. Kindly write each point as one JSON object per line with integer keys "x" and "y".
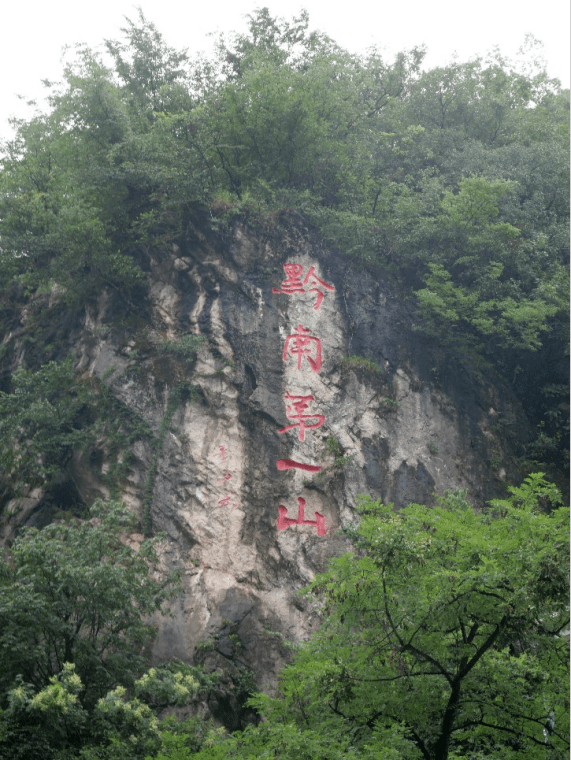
{"x": 445, "y": 633}
{"x": 452, "y": 181}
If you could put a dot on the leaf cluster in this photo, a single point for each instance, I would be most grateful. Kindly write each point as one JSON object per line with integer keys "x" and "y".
{"x": 77, "y": 592}
{"x": 41, "y": 423}
{"x": 448, "y": 623}
{"x": 454, "y": 180}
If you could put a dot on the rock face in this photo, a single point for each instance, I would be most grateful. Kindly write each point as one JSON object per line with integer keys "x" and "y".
{"x": 317, "y": 364}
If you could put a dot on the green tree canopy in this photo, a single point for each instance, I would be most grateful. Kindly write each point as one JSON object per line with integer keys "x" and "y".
{"x": 449, "y": 623}
{"x": 455, "y": 180}
{"x": 77, "y": 592}
{"x": 40, "y": 425}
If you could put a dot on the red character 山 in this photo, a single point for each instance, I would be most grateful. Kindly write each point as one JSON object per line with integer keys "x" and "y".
{"x": 284, "y": 522}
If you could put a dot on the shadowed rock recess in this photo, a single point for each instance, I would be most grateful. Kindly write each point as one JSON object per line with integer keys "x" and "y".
{"x": 382, "y": 410}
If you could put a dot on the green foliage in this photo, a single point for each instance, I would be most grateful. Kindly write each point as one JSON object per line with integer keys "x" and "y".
{"x": 179, "y": 744}
{"x": 146, "y": 64}
{"x": 78, "y": 593}
{"x": 445, "y": 624}
{"x": 35, "y": 724}
{"x": 550, "y": 446}
{"x": 50, "y": 413}
{"x": 117, "y": 727}
{"x": 281, "y": 740}
{"x": 75, "y": 600}
{"x": 361, "y": 362}
{"x": 534, "y": 493}
{"x": 40, "y": 424}
{"x": 332, "y": 446}
{"x": 186, "y": 346}
{"x": 390, "y": 403}
{"x": 118, "y": 427}
{"x": 453, "y": 180}
{"x": 158, "y": 443}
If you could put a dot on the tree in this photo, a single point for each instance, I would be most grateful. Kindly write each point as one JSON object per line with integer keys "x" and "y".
{"x": 52, "y": 412}
{"x": 38, "y": 725}
{"x": 77, "y": 592}
{"x": 145, "y": 63}
{"x": 40, "y": 425}
{"x": 389, "y": 162}
{"x": 448, "y": 622}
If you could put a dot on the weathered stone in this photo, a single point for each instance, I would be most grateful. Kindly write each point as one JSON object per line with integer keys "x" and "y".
{"x": 423, "y": 423}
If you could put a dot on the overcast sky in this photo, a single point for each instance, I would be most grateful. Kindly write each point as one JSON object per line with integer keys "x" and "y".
{"x": 35, "y": 31}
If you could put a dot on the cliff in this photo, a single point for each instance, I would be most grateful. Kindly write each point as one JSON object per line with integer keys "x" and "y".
{"x": 311, "y": 386}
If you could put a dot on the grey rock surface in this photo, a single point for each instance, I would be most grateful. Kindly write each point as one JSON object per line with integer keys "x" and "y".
{"x": 423, "y": 423}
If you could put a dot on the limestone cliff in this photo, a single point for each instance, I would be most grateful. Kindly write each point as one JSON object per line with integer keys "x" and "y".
{"x": 312, "y": 387}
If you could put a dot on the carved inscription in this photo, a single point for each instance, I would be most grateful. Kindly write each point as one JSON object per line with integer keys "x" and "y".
{"x": 303, "y": 349}
{"x": 285, "y": 522}
{"x": 303, "y": 345}
{"x": 294, "y": 284}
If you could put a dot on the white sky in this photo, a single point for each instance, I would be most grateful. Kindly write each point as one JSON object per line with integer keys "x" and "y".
{"x": 35, "y": 31}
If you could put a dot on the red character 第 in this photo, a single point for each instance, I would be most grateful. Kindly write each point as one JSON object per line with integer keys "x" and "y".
{"x": 297, "y": 410}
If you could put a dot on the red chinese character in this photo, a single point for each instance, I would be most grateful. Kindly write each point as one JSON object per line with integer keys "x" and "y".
{"x": 288, "y": 464}
{"x": 292, "y": 283}
{"x": 222, "y": 450}
{"x": 227, "y": 475}
{"x": 312, "y": 278}
{"x": 296, "y": 411}
{"x": 226, "y": 501}
{"x": 284, "y": 522}
{"x": 303, "y": 344}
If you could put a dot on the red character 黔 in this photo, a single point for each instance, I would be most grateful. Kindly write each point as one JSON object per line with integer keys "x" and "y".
{"x": 312, "y": 279}
{"x": 301, "y": 343}
{"x": 284, "y": 522}
{"x": 297, "y": 411}
{"x": 293, "y": 283}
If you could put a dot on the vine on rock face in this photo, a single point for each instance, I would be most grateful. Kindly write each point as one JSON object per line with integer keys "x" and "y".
{"x": 121, "y": 426}
{"x": 158, "y": 444}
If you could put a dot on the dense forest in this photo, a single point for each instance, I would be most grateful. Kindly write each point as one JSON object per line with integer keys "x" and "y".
{"x": 445, "y": 632}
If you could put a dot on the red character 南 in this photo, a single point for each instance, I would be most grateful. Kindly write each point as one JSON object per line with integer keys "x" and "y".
{"x": 297, "y": 411}
{"x": 284, "y": 522}
{"x": 301, "y": 343}
{"x": 293, "y": 283}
